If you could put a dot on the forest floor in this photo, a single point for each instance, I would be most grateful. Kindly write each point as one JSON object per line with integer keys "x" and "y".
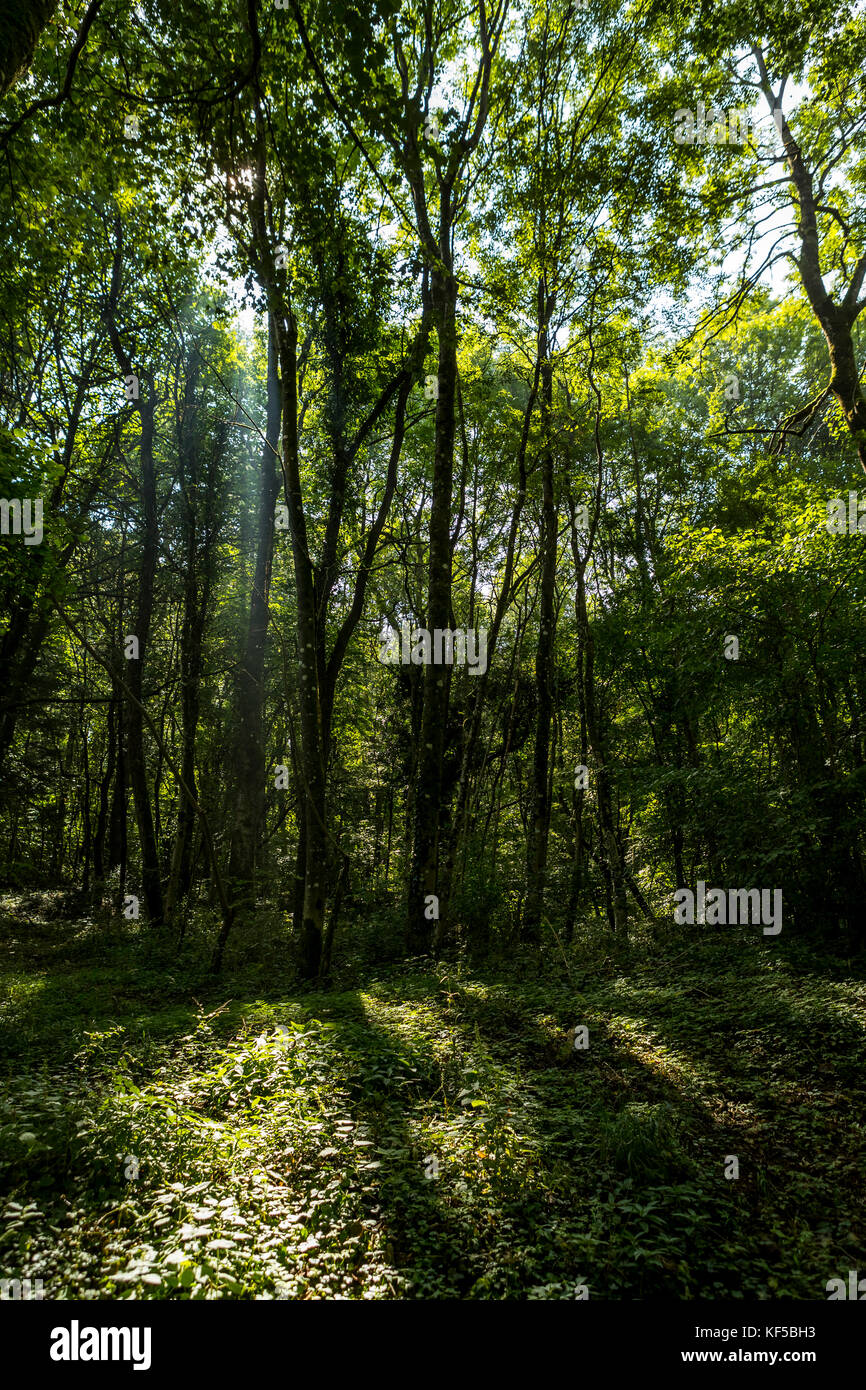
{"x": 422, "y": 1131}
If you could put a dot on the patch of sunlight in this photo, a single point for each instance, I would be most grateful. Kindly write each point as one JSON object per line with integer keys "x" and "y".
{"x": 687, "y": 1073}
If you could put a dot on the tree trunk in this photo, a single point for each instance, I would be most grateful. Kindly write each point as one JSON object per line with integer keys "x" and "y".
{"x": 21, "y": 25}
{"x": 612, "y": 858}
{"x": 151, "y": 885}
{"x": 836, "y": 320}
{"x": 249, "y": 756}
{"x": 423, "y": 875}
{"x": 539, "y": 819}
{"x": 311, "y": 761}
{"x": 104, "y": 788}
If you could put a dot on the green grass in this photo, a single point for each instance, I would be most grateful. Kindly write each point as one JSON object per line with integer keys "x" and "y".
{"x": 163, "y": 1134}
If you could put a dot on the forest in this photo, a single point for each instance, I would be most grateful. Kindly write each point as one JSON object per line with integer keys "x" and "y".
{"x": 432, "y": 705}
